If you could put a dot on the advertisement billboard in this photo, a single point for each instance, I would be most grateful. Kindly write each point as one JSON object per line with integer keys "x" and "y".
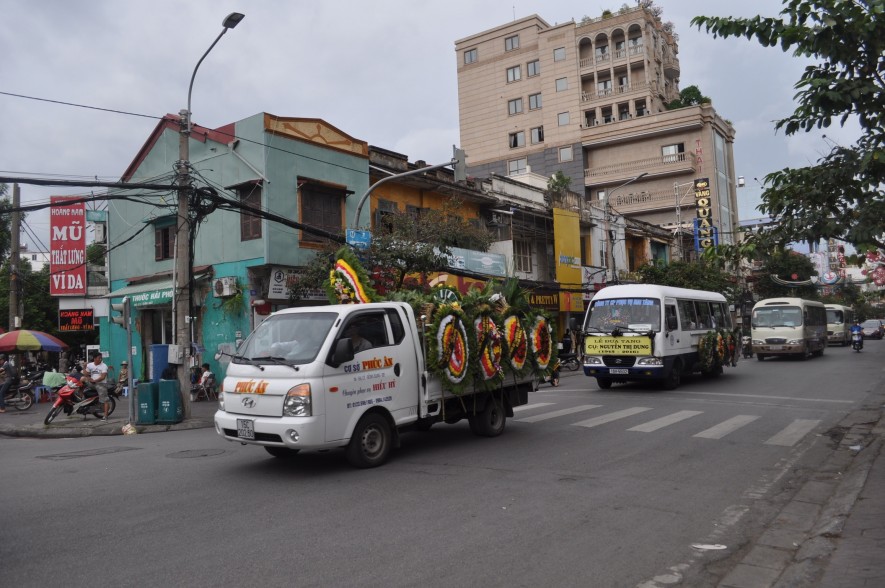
{"x": 67, "y": 247}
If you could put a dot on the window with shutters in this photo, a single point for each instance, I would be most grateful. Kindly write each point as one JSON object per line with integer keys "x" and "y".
{"x": 322, "y": 208}
{"x": 250, "y": 224}
{"x": 164, "y": 242}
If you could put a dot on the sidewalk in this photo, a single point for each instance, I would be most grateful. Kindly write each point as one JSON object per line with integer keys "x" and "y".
{"x": 29, "y": 423}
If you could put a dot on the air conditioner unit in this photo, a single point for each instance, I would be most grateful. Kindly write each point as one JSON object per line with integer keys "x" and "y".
{"x": 226, "y": 286}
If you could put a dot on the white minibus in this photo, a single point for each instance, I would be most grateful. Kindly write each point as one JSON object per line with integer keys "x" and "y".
{"x": 789, "y": 326}
{"x": 649, "y": 332}
{"x": 839, "y": 321}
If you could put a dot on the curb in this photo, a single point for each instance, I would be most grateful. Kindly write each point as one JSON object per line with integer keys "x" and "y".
{"x": 63, "y": 431}
{"x": 802, "y": 562}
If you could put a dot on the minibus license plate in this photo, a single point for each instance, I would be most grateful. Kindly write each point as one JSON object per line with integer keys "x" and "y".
{"x": 245, "y": 429}
{"x": 619, "y": 371}
{"x": 776, "y": 348}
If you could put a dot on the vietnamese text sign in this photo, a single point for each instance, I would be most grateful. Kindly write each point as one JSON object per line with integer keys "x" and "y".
{"x": 617, "y": 346}
{"x": 67, "y": 247}
{"x": 76, "y": 319}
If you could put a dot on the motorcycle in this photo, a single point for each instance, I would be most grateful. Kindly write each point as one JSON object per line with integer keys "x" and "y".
{"x": 746, "y": 347}
{"x": 552, "y": 377}
{"x": 570, "y": 361}
{"x": 857, "y": 341}
{"x": 21, "y": 395}
{"x": 76, "y": 398}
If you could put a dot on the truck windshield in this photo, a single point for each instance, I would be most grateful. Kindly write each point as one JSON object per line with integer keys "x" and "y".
{"x": 633, "y": 314}
{"x": 294, "y": 338}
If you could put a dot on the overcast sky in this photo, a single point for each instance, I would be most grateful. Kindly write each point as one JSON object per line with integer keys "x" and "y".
{"x": 382, "y": 71}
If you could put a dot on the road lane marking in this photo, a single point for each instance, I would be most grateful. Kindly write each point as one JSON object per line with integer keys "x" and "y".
{"x": 793, "y": 432}
{"x": 665, "y": 421}
{"x": 763, "y": 396}
{"x": 531, "y": 406}
{"x": 557, "y": 413}
{"x": 725, "y": 427}
{"x": 613, "y": 416}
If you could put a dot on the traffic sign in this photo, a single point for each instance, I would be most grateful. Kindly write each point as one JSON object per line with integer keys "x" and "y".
{"x": 358, "y": 239}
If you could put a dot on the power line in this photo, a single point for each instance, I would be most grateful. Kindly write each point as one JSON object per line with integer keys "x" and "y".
{"x": 79, "y": 105}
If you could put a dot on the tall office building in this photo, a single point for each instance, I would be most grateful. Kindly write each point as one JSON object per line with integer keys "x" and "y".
{"x": 591, "y": 99}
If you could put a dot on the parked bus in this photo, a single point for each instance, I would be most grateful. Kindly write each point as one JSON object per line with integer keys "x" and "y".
{"x": 648, "y": 332}
{"x": 839, "y": 321}
{"x": 789, "y": 326}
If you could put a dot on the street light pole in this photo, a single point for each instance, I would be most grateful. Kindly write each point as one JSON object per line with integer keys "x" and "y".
{"x": 610, "y": 240}
{"x": 183, "y": 267}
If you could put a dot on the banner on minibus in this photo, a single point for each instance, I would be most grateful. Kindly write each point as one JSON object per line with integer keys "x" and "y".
{"x": 617, "y": 346}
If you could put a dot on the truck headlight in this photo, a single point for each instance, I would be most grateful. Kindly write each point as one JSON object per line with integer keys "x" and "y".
{"x": 221, "y": 400}
{"x": 650, "y": 361}
{"x": 298, "y": 401}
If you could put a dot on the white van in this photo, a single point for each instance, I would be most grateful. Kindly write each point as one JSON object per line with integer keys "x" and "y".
{"x": 648, "y": 332}
{"x": 346, "y": 376}
{"x": 789, "y": 326}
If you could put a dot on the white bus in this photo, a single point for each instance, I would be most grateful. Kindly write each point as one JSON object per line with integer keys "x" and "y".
{"x": 839, "y": 321}
{"x": 789, "y": 326}
{"x": 648, "y": 332}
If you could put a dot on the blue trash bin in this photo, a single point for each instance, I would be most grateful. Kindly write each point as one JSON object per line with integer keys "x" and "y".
{"x": 146, "y": 398}
{"x": 169, "y": 409}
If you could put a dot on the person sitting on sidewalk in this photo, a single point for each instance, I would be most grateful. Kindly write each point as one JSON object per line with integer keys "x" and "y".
{"x": 206, "y": 385}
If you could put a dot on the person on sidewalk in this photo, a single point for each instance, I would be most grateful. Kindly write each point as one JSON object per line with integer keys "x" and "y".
{"x": 8, "y": 375}
{"x": 97, "y": 375}
{"x": 123, "y": 378}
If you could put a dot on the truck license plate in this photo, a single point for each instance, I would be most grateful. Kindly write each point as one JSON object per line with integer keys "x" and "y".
{"x": 619, "y": 371}
{"x": 245, "y": 429}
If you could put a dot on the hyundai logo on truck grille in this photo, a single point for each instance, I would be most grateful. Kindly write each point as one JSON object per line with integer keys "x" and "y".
{"x": 248, "y": 402}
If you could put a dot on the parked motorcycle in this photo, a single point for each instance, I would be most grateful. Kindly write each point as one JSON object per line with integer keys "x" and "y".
{"x": 857, "y": 341}
{"x": 747, "y": 347}
{"x": 21, "y": 395}
{"x": 570, "y": 361}
{"x": 76, "y": 398}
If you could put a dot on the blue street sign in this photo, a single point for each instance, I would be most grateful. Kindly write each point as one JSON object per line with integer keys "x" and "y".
{"x": 358, "y": 239}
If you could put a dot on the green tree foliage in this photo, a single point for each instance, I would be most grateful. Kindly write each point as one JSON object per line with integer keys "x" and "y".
{"x": 5, "y": 236}
{"x": 695, "y": 275}
{"x": 690, "y": 96}
{"x": 404, "y": 245}
{"x": 95, "y": 253}
{"x": 41, "y": 310}
{"x": 841, "y": 195}
{"x": 789, "y": 266}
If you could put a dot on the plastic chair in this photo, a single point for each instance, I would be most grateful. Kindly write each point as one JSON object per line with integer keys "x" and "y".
{"x": 208, "y": 391}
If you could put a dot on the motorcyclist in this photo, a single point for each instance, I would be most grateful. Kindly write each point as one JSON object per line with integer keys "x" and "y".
{"x": 856, "y": 329}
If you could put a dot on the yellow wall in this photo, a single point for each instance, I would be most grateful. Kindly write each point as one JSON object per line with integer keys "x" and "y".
{"x": 408, "y": 196}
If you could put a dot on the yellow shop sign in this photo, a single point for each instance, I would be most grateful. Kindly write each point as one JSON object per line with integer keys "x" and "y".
{"x": 617, "y": 346}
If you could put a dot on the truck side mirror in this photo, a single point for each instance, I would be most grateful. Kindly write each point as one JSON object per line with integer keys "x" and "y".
{"x": 342, "y": 353}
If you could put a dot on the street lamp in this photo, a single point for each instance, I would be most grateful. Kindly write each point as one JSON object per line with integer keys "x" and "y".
{"x": 610, "y": 240}
{"x": 183, "y": 267}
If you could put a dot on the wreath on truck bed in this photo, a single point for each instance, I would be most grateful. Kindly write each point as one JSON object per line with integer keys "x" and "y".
{"x": 474, "y": 341}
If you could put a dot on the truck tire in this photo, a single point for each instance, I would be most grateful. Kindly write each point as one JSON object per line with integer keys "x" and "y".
{"x": 490, "y": 421}
{"x": 604, "y": 383}
{"x": 371, "y": 441}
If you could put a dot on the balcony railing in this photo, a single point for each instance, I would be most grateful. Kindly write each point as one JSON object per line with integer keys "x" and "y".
{"x": 606, "y": 92}
{"x": 643, "y": 201}
{"x": 661, "y": 164}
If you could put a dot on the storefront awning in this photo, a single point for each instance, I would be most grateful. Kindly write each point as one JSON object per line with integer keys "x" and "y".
{"x": 146, "y": 294}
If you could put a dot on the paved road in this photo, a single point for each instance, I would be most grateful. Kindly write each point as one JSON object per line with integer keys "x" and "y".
{"x": 586, "y": 487}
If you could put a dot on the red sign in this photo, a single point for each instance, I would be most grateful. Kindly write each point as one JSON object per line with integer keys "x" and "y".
{"x": 67, "y": 248}
{"x": 78, "y": 319}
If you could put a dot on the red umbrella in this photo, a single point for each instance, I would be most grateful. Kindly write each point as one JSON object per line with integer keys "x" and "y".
{"x": 24, "y": 340}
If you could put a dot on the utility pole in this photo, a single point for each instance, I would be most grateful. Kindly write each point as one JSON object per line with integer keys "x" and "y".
{"x": 609, "y": 236}
{"x": 183, "y": 270}
{"x": 14, "y": 281}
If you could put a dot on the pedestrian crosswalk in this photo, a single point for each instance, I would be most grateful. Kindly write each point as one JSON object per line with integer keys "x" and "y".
{"x": 787, "y": 436}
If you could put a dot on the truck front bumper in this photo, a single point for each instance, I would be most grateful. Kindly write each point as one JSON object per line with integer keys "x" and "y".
{"x": 291, "y": 432}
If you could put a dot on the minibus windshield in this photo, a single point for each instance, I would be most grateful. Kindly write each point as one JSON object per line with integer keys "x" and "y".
{"x": 781, "y": 316}
{"x": 634, "y": 314}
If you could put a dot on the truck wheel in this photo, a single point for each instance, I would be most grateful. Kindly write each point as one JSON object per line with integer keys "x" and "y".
{"x": 490, "y": 421}
{"x": 760, "y": 357}
{"x": 674, "y": 377}
{"x": 281, "y": 452}
{"x": 604, "y": 383}
{"x": 370, "y": 444}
